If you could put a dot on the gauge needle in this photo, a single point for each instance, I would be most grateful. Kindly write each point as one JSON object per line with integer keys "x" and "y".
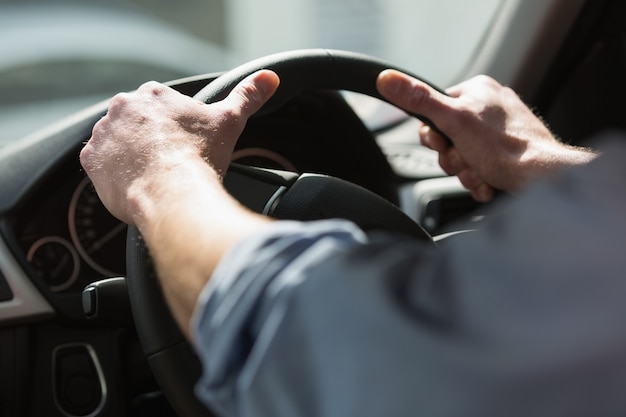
{"x": 104, "y": 239}
{"x": 62, "y": 263}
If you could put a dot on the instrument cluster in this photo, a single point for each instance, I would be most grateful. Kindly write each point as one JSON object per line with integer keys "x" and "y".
{"x": 70, "y": 239}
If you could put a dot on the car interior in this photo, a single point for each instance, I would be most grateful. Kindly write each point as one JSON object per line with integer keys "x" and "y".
{"x": 79, "y": 339}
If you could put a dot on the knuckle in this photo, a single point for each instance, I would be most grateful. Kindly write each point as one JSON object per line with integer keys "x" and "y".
{"x": 452, "y": 162}
{"x": 85, "y": 156}
{"x": 88, "y": 157}
{"x": 151, "y": 87}
{"x": 231, "y": 115}
{"x": 99, "y": 128}
{"x": 491, "y": 85}
{"x": 250, "y": 98}
{"x": 469, "y": 179}
{"x": 486, "y": 80}
{"x": 118, "y": 102}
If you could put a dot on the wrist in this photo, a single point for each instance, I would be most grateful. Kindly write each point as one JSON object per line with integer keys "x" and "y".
{"x": 159, "y": 191}
{"x": 557, "y": 157}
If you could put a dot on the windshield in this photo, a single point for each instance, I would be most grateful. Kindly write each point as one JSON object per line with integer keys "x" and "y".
{"x": 64, "y": 55}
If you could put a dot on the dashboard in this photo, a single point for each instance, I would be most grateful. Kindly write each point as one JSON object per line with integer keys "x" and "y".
{"x": 70, "y": 235}
{"x": 66, "y": 239}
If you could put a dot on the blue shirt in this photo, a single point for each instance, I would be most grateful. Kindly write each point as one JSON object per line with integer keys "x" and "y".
{"x": 526, "y": 316}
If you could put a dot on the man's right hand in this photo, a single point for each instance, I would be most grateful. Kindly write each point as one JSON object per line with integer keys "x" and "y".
{"x": 498, "y": 142}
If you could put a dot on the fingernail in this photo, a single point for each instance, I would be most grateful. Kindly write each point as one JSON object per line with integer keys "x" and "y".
{"x": 266, "y": 84}
{"x": 391, "y": 83}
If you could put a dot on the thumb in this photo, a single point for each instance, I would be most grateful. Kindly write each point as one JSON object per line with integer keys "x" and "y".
{"x": 252, "y": 92}
{"x": 414, "y": 96}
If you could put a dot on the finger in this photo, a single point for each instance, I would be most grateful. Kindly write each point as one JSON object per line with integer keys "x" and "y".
{"x": 483, "y": 193}
{"x": 469, "y": 178}
{"x": 252, "y": 92}
{"x": 414, "y": 96}
{"x": 451, "y": 161}
{"x": 432, "y": 139}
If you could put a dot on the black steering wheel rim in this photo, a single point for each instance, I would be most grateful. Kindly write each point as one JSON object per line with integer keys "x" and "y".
{"x": 170, "y": 356}
{"x": 306, "y": 69}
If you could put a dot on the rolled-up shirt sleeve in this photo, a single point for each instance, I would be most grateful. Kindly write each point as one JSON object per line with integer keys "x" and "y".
{"x": 249, "y": 296}
{"x": 524, "y": 317}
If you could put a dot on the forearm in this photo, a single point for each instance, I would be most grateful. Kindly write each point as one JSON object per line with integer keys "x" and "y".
{"x": 188, "y": 222}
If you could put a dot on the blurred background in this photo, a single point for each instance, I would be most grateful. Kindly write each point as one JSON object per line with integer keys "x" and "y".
{"x": 58, "y": 56}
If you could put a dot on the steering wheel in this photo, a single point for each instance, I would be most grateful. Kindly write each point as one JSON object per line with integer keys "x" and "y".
{"x": 278, "y": 194}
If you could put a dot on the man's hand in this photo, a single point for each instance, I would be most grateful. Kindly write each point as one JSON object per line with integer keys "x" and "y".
{"x": 499, "y": 143}
{"x": 156, "y": 130}
{"x": 156, "y": 160}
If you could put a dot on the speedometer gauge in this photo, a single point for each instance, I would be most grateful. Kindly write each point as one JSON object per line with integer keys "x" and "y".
{"x": 56, "y": 261}
{"x": 100, "y": 238}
